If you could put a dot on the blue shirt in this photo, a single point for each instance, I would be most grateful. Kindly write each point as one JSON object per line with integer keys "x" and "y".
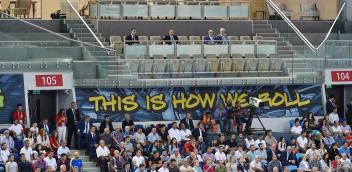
{"x": 342, "y": 150}
{"x": 76, "y": 163}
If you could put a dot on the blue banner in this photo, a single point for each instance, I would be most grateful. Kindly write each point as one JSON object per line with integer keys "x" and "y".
{"x": 11, "y": 94}
{"x": 159, "y": 104}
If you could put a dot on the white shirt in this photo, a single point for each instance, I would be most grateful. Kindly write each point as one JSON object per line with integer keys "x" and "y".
{"x": 239, "y": 154}
{"x": 16, "y": 128}
{"x": 336, "y": 129}
{"x": 162, "y": 169}
{"x": 302, "y": 141}
{"x": 62, "y": 150}
{"x": 220, "y": 156}
{"x": 41, "y": 140}
{"x": 185, "y": 134}
{"x": 249, "y": 142}
{"x": 51, "y": 162}
{"x": 254, "y": 164}
{"x": 296, "y": 130}
{"x": 333, "y": 117}
{"x": 138, "y": 160}
{"x": 35, "y": 130}
{"x": 256, "y": 143}
{"x": 311, "y": 152}
{"x": 4, "y": 155}
{"x": 346, "y": 128}
{"x": 175, "y": 133}
{"x": 102, "y": 151}
{"x": 27, "y": 153}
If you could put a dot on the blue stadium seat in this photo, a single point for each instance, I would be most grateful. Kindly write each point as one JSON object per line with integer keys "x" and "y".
{"x": 18, "y": 144}
{"x": 138, "y": 126}
{"x": 2, "y": 130}
{"x": 299, "y": 156}
{"x": 292, "y": 168}
{"x": 292, "y": 122}
{"x": 15, "y": 155}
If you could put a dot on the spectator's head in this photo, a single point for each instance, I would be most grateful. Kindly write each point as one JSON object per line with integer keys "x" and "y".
{"x": 19, "y": 107}
{"x": 15, "y": 121}
{"x": 332, "y": 97}
{"x": 252, "y": 148}
{"x": 76, "y": 155}
{"x": 45, "y": 121}
{"x": 153, "y": 166}
{"x": 240, "y": 148}
{"x": 274, "y": 158}
{"x": 240, "y": 136}
{"x": 133, "y": 31}
{"x": 106, "y": 131}
{"x": 139, "y": 153}
{"x": 296, "y": 123}
{"x": 127, "y": 128}
{"x": 336, "y": 124}
{"x": 41, "y": 156}
{"x": 344, "y": 122}
{"x": 209, "y": 149}
{"x": 11, "y": 157}
{"x": 242, "y": 160}
{"x": 185, "y": 163}
{"x": 269, "y": 133}
{"x": 165, "y": 164}
{"x": 162, "y": 128}
{"x": 221, "y": 148}
{"x": 3, "y": 146}
{"x": 273, "y": 146}
{"x": 102, "y": 143}
{"x": 335, "y": 110}
{"x": 7, "y": 133}
{"x": 107, "y": 118}
{"x": 183, "y": 126}
{"x": 200, "y": 125}
{"x": 173, "y": 141}
{"x": 188, "y": 115}
{"x": 93, "y": 129}
{"x": 261, "y": 146}
{"x": 156, "y": 154}
{"x": 222, "y": 31}
{"x": 140, "y": 130}
{"x": 51, "y": 154}
{"x": 209, "y": 162}
{"x": 210, "y": 32}
{"x": 26, "y": 143}
{"x": 207, "y": 114}
{"x": 174, "y": 125}
{"x": 304, "y": 134}
{"x": 61, "y": 112}
{"x": 289, "y": 149}
{"x": 154, "y": 130}
{"x": 326, "y": 156}
{"x": 63, "y": 156}
{"x": 164, "y": 152}
{"x": 87, "y": 118}
{"x": 344, "y": 156}
{"x": 63, "y": 144}
{"x": 221, "y": 164}
{"x": 260, "y": 136}
{"x": 34, "y": 125}
{"x": 73, "y": 105}
{"x": 222, "y": 137}
{"x": 176, "y": 151}
{"x": 316, "y": 156}
{"x": 171, "y": 32}
{"x": 127, "y": 167}
{"x": 250, "y": 136}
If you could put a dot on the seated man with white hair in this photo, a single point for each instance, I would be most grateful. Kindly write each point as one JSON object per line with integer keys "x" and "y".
{"x": 256, "y": 165}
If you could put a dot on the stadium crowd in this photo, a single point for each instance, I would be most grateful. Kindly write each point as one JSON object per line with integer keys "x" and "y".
{"x": 314, "y": 145}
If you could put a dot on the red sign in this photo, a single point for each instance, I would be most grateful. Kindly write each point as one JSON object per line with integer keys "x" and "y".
{"x": 341, "y": 76}
{"x": 49, "y": 80}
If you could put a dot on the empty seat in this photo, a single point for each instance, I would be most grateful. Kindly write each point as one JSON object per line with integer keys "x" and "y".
{"x": 195, "y": 39}
{"x": 158, "y": 56}
{"x": 251, "y": 65}
{"x": 226, "y": 65}
{"x": 309, "y": 10}
{"x": 282, "y": 7}
{"x": 256, "y": 38}
{"x": 276, "y": 65}
{"x": 238, "y": 65}
{"x": 115, "y": 39}
{"x": 155, "y": 39}
{"x": 213, "y": 66}
{"x": 143, "y": 40}
{"x": 233, "y": 38}
{"x": 263, "y": 65}
{"x": 245, "y": 38}
{"x": 183, "y": 39}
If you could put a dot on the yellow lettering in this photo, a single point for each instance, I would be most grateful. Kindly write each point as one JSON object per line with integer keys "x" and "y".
{"x": 147, "y": 100}
{"x": 181, "y": 101}
{"x": 158, "y": 102}
{"x": 129, "y": 103}
{"x": 192, "y": 101}
{"x": 207, "y": 100}
{"x": 96, "y": 101}
{"x": 265, "y": 97}
{"x": 277, "y": 100}
{"x": 289, "y": 103}
{"x": 242, "y": 99}
{"x": 302, "y": 103}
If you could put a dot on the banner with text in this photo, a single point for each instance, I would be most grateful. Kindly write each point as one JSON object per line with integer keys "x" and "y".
{"x": 11, "y": 94}
{"x": 158, "y": 104}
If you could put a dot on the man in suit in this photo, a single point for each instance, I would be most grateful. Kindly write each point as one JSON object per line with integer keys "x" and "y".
{"x": 45, "y": 124}
{"x": 349, "y": 113}
{"x": 92, "y": 140}
{"x": 330, "y": 104}
{"x": 171, "y": 38}
{"x": 83, "y": 129}
{"x": 199, "y": 132}
{"x": 187, "y": 121}
{"x": 106, "y": 123}
{"x": 73, "y": 117}
{"x": 288, "y": 158}
{"x": 210, "y": 39}
{"x": 132, "y": 38}
{"x": 222, "y": 38}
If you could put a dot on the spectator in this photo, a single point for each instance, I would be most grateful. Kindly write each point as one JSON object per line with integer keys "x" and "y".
{"x": 40, "y": 163}
{"x": 239, "y": 153}
{"x": 256, "y": 165}
{"x": 61, "y": 122}
{"x": 188, "y": 121}
{"x": 326, "y": 129}
{"x": 231, "y": 165}
{"x": 128, "y": 147}
{"x": 189, "y": 146}
{"x": 117, "y": 135}
{"x": 220, "y": 167}
{"x": 23, "y": 164}
{"x": 163, "y": 133}
{"x": 103, "y": 155}
{"x": 345, "y": 127}
{"x": 173, "y": 166}
{"x": 63, "y": 161}
{"x": 5, "y": 153}
{"x": 282, "y": 144}
{"x": 19, "y": 115}
{"x": 185, "y": 167}
{"x": 106, "y": 137}
{"x": 333, "y": 116}
{"x": 93, "y": 139}
{"x": 43, "y": 139}
{"x": 128, "y": 132}
{"x": 249, "y": 140}
{"x": 54, "y": 143}
{"x": 196, "y": 167}
{"x": 29, "y": 136}
{"x": 271, "y": 152}
{"x": 171, "y": 38}
{"x": 177, "y": 156}
{"x": 288, "y": 158}
{"x": 200, "y": 131}
{"x": 139, "y": 137}
{"x": 106, "y": 123}
{"x": 306, "y": 127}
{"x": 274, "y": 163}
{"x": 27, "y": 151}
{"x": 220, "y": 154}
{"x": 315, "y": 162}
{"x": 242, "y": 166}
{"x": 185, "y": 133}
{"x": 63, "y": 149}
{"x": 208, "y": 167}
{"x": 63, "y": 168}
{"x": 209, "y": 154}
{"x": 11, "y": 165}
{"x": 269, "y": 138}
{"x": 51, "y": 161}
{"x": 9, "y": 141}
{"x": 164, "y": 156}
{"x": 131, "y": 39}
{"x": 328, "y": 140}
{"x": 17, "y": 129}
{"x": 173, "y": 145}
{"x": 73, "y": 116}
{"x": 153, "y": 136}
{"x": 45, "y": 125}
{"x": 251, "y": 153}
{"x": 222, "y": 38}
{"x": 117, "y": 162}
{"x": 138, "y": 159}
{"x": 207, "y": 121}
{"x": 304, "y": 165}
{"x": 174, "y": 132}
{"x": 336, "y": 128}
{"x": 261, "y": 153}
{"x": 260, "y": 140}
{"x": 76, "y": 162}
{"x": 127, "y": 168}
{"x": 230, "y": 112}
{"x": 210, "y": 38}
{"x": 331, "y": 104}
{"x": 241, "y": 141}
{"x": 302, "y": 141}
{"x": 345, "y": 163}
{"x": 34, "y": 129}
{"x": 201, "y": 146}
{"x": 322, "y": 149}
{"x": 311, "y": 151}
{"x": 311, "y": 120}
{"x": 83, "y": 129}
{"x": 296, "y": 129}
{"x": 345, "y": 149}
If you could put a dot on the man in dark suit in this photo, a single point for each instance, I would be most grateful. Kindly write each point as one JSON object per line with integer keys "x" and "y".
{"x": 45, "y": 124}
{"x": 210, "y": 39}
{"x": 171, "y": 38}
{"x": 187, "y": 121}
{"x": 92, "y": 140}
{"x": 349, "y": 113}
{"x": 106, "y": 123}
{"x": 222, "y": 38}
{"x": 73, "y": 117}
{"x": 330, "y": 104}
{"x": 199, "y": 132}
{"x": 83, "y": 129}
{"x": 132, "y": 38}
{"x": 288, "y": 158}
{"x": 127, "y": 122}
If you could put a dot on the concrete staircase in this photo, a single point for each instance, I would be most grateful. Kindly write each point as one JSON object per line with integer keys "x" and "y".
{"x": 284, "y": 49}
{"x": 109, "y": 63}
{"x": 88, "y": 166}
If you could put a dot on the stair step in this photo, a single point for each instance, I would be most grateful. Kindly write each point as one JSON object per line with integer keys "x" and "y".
{"x": 81, "y": 25}
{"x": 268, "y": 34}
{"x": 283, "y": 48}
{"x": 296, "y": 65}
{"x": 99, "y": 53}
{"x": 285, "y": 52}
{"x": 89, "y": 164}
{"x": 262, "y": 26}
{"x": 273, "y": 38}
{"x": 260, "y": 21}
{"x": 116, "y": 67}
{"x": 76, "y": 21}
{"x": 290, "y": 70}
{"x": 78, "y": 35}
{"x": 263, "y": 30}
{"x": 91, "y": 39}
{"x": 97, "y": 43}
{"x": 281, "y": 43}
{"x": 107, "y": 58}
{"x": 82, "y": 30}
{"x": 118, "y": 72}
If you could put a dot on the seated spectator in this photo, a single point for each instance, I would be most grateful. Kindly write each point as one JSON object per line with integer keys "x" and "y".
{"x": 209, "y": 154}
{"x": 315, "y": 162}
{"x": 296, "y": 129}
{"x": 11, "y": 165}
{"x": 153, "y": 136}
{"x": 117, "y": 162}
{"x": 251, "y": 153}
{"x": 106, "y": 123}
{"x": 173, "y": 145}
{"x": 92, "y": 139}
{"x": 261, "y": 153}
{"x": 44, "y": 125}
{"x": 155, "y": 147}
{"x": 34, "y": 129}
{"x": 208, "y": 167}
{"x": 339, "y": 138}
{"x": 174, "y": 132}
{"x": 139, "y": 137}
{"x": 187, "y": 121}
{"x": 306, "y": 127}
{"x": 173, "y": 166}
{"x": 54, "y": 143}
{"x": 5, "y": 153}
{"x": 196, "y": 167}
{"x": 345, "y": 163}
{"x": 260, "y": 139}
{"x": 201, "y": 146}
{"x": 241, "y": 141}
{"x": 326, "y": 129}
{"x": 164, "y": 156}
{"x": 304, "y": 164}
{"x": 128, "y": 132}
{"x": 282, "y": 144}
{"x": 127, "y": 168}
{"x": 63, "y": 161}
{"x": 302, "y": 141}
{"x": 51, "y": 161}
{"x": 185, "y": 166}
{"x": 177, "y": 156}
{"x": 328, "y": 140}
{"x": 117, "y": 135}
{"x": 220, "y": 167}
{"x": 333, "y": 116}
{"x": 132, "y": 38}
{"x": 23, "y": 164}
{"x": 43, "y": 139}
{"x": 256, "y": 165}
{"x": 222, "y": 38}
{"x": 288, "y": 157}
{"x": 269, "y": 138}
{"x": 239, "y": 153}
{"x": 311, "y": 151}
{"x": 163, "y": 133}
{"x": 103, "y": 154}
{"x": 153, "y": 168}
{"x": 322, "y": 149}
{"x": 220, "y": 154}
{"x": 242, "y": 165}
{"x": 106, "y": 137}
{"x": 63, "y": 149}
{"x": 83, "y": 129}
{"x": 345, "y": 149}
{"x": 138, "y": 159}
{"x": 271, "y": 151}
{"x": 17, "y": 129}
{"x": 199, "y": 131}
{"x": 40, "y": 163}
{"x": 231, "y": 164}
{"x": 185, "y": 133}
{"x": 210, "y": 39}
{"x": 348, "y": 137}
{"x": 27, "y": 151}
{"x": 76, "y": 162}
{"x": 311, "y": 120}
{"x": 336, "y": 128}
{"x": 171, "y": 38}
{"x": 345, "y": 127}
{"x": 30, "y": 136}
{"x": 207, "y": 121}
{"x": 250, "y": 141}
{"x": 275, "y": 163}
{"x": 189, "y": 147}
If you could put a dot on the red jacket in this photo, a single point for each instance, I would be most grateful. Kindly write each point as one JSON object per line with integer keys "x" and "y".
{"x": 61, "y": 119}
{"x": 19, "y": 115}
